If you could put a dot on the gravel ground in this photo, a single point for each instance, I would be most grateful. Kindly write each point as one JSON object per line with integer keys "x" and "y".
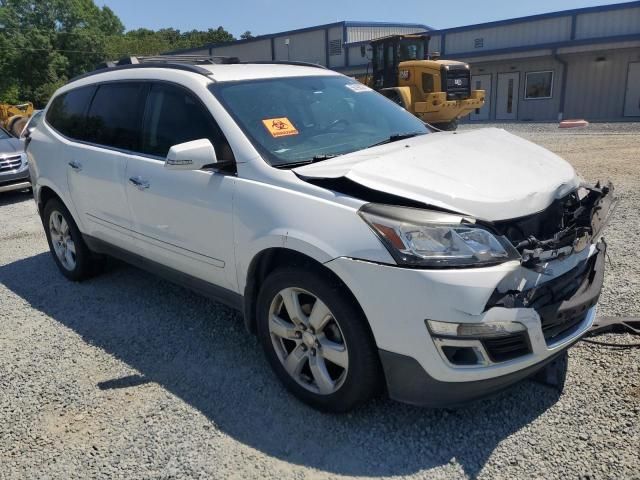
{"x": 126, "y": 376}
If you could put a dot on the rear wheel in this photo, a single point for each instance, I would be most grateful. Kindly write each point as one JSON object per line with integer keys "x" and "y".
{"x": 67, "y": 246}
{"x": 316, "y": 340}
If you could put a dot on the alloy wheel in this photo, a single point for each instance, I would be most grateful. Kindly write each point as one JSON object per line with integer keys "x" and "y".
{"x": 63, "y": 245}
{"x": 308, "y": 341}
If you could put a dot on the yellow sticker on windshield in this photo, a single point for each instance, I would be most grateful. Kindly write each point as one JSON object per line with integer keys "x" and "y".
{"x": 280, "y": 127}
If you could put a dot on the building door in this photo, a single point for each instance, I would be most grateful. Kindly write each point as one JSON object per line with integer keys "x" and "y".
{"x": 482, "y": 82}
{"x": 507, "y": 98}
{"x": 632, "y": 97}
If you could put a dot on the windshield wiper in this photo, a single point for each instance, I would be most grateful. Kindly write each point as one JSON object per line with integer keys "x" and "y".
{"x": 319, "y": 158}
{"x": 314, "y": 159}
{"x": 397, "y": 137}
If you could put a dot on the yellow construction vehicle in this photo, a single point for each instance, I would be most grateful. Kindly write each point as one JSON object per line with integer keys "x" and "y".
{"x": 437, "y": 91}
{"x": 14, "y": 117}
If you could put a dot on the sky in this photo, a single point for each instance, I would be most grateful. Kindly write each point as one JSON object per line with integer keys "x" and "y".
{"x": 270, "y": 16}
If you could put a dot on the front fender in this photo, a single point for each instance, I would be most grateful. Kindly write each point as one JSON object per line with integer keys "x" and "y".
{"x": 267, "y": 216}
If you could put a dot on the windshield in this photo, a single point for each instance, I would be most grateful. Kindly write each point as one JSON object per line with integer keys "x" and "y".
{"x": 305, "y": 119}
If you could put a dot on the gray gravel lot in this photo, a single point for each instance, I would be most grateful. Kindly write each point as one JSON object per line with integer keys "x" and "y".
{"x": 127, "y": 376}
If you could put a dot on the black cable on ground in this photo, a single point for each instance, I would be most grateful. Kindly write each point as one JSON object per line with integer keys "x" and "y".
{"x": 621, "y": 346}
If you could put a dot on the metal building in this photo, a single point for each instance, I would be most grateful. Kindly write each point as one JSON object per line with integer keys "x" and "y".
{"x": 335, "y": 45}
{"x": 582, "y": 63}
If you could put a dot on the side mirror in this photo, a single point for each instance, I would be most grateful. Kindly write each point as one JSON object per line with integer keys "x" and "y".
{"x": 193, "y": 155}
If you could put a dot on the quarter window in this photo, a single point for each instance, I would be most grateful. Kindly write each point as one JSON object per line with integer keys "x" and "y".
{"x": 68, "y": 111}
{"x": 114, "y": 116}
{"x": 174, "y": 116}
{"x": 539, "y": 85}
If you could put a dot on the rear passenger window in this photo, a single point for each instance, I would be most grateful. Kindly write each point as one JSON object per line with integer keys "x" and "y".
{"x": 67, "y": 112}
{"x": 114, "y": 116}
{"x": 174, "y": 116}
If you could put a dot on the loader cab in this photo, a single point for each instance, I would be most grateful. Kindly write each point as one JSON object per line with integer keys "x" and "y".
{"x": 388, "y": 52}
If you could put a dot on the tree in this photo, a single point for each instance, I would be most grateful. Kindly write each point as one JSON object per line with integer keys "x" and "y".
{"x": 44, "y": 43}
{"x": 246, "y": 35}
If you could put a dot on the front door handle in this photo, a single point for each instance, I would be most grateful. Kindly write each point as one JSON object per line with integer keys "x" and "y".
{"x": 139, "y": 183}
{"x": 77, "y": 166}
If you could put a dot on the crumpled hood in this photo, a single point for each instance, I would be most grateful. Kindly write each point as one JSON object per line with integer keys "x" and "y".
{"x": 489, "y": 173}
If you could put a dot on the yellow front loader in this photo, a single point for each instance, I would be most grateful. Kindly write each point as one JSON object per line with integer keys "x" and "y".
{"x": 14, "y": 117}
{"x": 437, "y": 91}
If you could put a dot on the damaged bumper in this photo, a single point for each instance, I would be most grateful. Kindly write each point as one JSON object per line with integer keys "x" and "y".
{"x": 547, "y": 301}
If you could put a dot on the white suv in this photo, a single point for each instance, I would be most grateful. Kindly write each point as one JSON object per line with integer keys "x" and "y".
{"x": 365, "y": 250}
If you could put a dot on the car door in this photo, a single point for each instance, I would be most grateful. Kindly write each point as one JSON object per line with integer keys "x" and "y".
{"x": 96, "y": 167}
{"x": 182, "y": 219}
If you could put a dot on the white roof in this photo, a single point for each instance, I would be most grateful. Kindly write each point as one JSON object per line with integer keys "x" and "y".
{"x": 252, "y": 71}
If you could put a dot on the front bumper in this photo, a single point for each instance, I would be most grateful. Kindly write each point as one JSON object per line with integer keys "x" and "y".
{"x": 18, "y": 179}
{"x": 397, "y": 302}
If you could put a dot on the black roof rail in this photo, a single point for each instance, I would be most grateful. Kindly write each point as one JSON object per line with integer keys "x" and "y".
{"x": 188, "y": 59}
{"x": 188, "y": 63}
{"x": 284, "y": 62}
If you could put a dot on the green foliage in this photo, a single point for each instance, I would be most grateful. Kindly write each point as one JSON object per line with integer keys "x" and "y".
{"x": 44, "y": 43}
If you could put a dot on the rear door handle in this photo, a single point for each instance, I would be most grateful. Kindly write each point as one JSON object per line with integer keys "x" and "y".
{"x": 77, "y": 166}
{"x": 139, "y": 183}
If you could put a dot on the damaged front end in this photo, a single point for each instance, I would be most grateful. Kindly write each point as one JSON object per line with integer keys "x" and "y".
{"x": 567, "y": 226}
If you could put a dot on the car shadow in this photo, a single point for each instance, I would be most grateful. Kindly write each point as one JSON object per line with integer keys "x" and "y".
{"x": 17, "y": 196}
{"x": 199, "y": 351}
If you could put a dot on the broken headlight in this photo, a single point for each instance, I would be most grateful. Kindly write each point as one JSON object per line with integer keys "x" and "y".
{"x": 424, "y": 238}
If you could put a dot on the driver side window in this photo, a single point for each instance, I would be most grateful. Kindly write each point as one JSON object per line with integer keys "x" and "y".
{"x": 173, "y": 116}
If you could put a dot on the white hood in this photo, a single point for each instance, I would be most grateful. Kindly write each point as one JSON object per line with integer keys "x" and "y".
{"x": 488, "y": 174}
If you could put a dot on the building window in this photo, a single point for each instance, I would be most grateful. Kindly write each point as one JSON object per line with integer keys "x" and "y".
{"x": 538, "y": 85}
{"x": 335, "y": 47}
{"x": 478, "y": 43}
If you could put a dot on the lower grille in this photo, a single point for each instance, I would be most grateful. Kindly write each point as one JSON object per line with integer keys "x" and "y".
{"x": 501, "y": 349}
{"x": 10, "y": 163}
{"x": 556, "y": 327}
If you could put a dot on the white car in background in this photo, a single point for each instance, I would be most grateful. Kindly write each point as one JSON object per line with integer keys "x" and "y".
{"x": 366, "y": 251}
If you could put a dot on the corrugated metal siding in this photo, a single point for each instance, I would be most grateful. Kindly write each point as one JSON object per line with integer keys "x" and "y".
{"x": 303, "y": 47}
{"x": 335, "y": 33}
{"x": 363, "y": 34}
{"x": 247, "y": 52}
{"x": 356, "y": 58}
{"x": 604, "y": 24}
{"x": 204, "y": 52}
{"x": 596, "y": 90}
{"x": 515, "y": 35}
{"x": 434, "y": 44}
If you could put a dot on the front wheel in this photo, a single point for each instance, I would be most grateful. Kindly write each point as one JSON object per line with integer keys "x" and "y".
{"x": 316, "y": 340}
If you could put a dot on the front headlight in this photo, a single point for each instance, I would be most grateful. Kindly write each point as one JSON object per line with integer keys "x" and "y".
{"x": 425, "y": 238}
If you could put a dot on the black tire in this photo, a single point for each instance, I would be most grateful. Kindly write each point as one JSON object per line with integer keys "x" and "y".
{"x": 86, "y": 265}
{"x": 362, "y": 378}
{"x": 451, "y": 126}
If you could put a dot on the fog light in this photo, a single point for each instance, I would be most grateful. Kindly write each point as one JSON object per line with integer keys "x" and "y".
{"x": 463, "y": 356}
{"x": 474, "y": 330}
